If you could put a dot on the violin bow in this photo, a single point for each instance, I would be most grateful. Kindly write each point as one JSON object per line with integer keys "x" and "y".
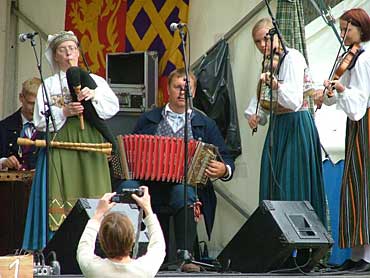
{"x": 259, "y": 87}
{"x": 337, "y": 58}
{"x": 330, "y": 94}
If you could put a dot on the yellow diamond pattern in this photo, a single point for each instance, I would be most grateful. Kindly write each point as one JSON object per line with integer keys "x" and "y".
{"x": 157, "y": 27}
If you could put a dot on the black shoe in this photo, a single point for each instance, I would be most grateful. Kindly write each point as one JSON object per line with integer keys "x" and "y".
{"x": 347, "y": 265}
{"x": 361, "y": 266}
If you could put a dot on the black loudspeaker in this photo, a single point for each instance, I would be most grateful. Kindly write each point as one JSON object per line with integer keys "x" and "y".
{"x": 123, "y": 122}
{"x": 65, "y": 240}
{"x": 278, "y": 235}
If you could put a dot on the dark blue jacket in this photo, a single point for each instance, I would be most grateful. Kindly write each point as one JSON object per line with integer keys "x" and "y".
{"x": 206, "y": 130}
{"x": 10, "y": 129}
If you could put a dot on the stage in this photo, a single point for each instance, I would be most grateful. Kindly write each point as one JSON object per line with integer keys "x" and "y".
{"x": 204, "y": 274}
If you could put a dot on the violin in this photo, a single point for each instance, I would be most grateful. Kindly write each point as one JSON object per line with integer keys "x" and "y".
{"x": 342, "y": 63}
{"x": 266, "y": 67}
{"x": 346, "y": 62}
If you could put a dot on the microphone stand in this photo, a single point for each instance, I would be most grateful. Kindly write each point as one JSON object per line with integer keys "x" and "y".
{"x": 276, "y": 28}
{"x": 48, "y": 116}
{"x": 184, "y": 256}
{"x": 272, "y": 32}
{"x": 271, "y": 122}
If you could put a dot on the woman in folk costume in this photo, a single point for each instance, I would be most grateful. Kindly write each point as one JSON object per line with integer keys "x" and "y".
{"x": 295, "y": 163}
{"x": 351, "y": 93}
{"x": 73, "y": 174}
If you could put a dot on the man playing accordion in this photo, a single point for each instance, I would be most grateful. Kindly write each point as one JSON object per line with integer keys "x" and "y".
{"x": 170, "y": 121}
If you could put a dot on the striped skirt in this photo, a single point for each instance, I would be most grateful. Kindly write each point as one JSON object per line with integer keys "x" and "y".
{"x": 355, "y": 198}
{"x": 295, "y": 165}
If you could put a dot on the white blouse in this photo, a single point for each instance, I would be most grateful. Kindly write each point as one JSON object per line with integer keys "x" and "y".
{"x": 355, "y": 99}
{"x": 145, "y": 266}
{"x": 105, "y": 101}
{"x": 290, "y": 92}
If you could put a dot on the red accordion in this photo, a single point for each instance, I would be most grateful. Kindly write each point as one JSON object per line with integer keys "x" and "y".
{"x": 160, "y": 158}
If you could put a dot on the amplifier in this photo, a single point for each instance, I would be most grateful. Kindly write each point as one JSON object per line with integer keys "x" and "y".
{"x": 133, "y": 76}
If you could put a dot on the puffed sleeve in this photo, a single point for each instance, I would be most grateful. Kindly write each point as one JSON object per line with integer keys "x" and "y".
{"x": 291, "y": 77}
{"x": 354, "y": 100}
{"x": 105, "y": 101}
{"x": 251, "y": 110}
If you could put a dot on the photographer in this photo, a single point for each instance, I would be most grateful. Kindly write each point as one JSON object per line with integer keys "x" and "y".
{"x": 117, "y": 236}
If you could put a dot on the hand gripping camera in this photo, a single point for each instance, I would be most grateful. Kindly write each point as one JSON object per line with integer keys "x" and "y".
{"x": 125, "y": 196}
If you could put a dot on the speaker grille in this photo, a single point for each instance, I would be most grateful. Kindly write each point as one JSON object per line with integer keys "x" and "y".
{"x": 275, "y": 232}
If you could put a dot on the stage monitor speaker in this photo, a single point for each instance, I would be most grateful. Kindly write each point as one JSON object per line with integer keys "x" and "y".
{"x": 278, "y": 235}
{"x": 65, "y": 240}
{"x": 121, "y": 124}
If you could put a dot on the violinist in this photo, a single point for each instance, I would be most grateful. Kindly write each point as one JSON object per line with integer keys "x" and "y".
{"x": 351, "y": 93}
{"x": 295, "y": 154}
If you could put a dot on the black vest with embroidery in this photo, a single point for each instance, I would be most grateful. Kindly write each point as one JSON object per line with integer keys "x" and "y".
{"x": 164, "y": 128}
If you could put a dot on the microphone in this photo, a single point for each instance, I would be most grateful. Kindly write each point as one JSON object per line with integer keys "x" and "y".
{"x": 25, "y": 36}
{"x": 176, "y": 26}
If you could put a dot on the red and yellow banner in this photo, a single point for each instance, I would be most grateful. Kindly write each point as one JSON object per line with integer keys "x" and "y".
{"x": 100, "y": 27}
{"x": 108, "y": 26}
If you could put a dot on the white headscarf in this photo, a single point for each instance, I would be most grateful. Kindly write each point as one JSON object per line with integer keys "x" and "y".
{"x": 52, "y": 44}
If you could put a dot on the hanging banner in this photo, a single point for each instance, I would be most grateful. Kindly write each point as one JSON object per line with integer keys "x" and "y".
{"x": 100, "y": 27}
{"x": 148, "y": 28}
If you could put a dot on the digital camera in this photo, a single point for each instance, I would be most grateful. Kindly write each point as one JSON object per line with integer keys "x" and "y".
{"x": 125, "y": 196}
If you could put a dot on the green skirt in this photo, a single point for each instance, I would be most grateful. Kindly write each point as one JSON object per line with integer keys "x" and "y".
{"x": 295, "y": 161}
{"x": 75, "y": 174}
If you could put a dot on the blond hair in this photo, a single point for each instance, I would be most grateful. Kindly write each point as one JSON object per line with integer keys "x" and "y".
{"x": 180, "y": 73}
{"x": 262, "y": 23}
{"x": 30, "y": 86}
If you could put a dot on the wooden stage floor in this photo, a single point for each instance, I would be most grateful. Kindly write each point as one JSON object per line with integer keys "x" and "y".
{"x": 205, "y": 274}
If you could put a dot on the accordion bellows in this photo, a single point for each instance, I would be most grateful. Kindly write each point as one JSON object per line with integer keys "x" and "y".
{"x": 161, "y": 158}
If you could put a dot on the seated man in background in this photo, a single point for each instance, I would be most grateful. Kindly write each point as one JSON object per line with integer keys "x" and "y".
{"x": 170, "y": 121}
{"x": 19, "y": 124}
{"x": 117, "y": 237}
{"x": 15, "y": 163}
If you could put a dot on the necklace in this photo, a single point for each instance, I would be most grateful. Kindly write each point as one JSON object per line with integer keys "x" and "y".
{"x": 63, "y": 90}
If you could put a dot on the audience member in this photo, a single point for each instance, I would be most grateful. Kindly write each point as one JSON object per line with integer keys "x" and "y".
{"x": 117, "y": 237}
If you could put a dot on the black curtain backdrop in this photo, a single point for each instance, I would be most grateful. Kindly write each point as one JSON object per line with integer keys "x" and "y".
{"x": 215, "y": 94}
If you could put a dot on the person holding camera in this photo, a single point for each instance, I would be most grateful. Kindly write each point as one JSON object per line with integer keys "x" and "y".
{"x": 117, "y": 236}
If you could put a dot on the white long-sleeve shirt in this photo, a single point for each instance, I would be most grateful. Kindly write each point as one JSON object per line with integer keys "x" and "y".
{"x": 105, "y": 101}
{"x": 355, "y": 99}
{"x": 290, "y": 92}
{"x": 145, "y": 266}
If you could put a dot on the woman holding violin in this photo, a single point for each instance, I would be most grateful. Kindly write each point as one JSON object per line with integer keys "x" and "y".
{"x": 296, "y": 165}
{"x": 351, "y": 93}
